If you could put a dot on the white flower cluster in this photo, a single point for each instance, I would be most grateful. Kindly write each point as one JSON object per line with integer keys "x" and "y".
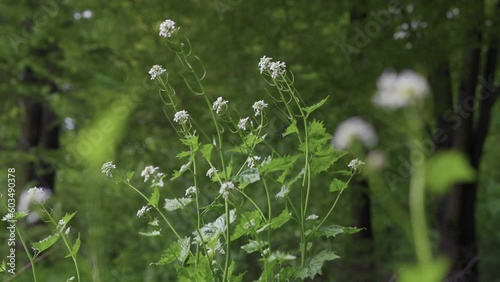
{"x": 151, "y": 171}
{"x": 252, "y": 160}
{"x": 354, "y": 164}
{"x": 225, "y": 188}
{"x": 312, "y": 217}
{"x": 167, "y": 28}
{"x": 354, "y": 128}
{"x": 35, "y": 191}
{"x": 243, "y": 123}
{"x": 219, "y": 104}
{"x": 191, "y": 191}
{"x": 276, "y": 68}
{"x": 258, "y": 107}
{"x": 211, "y": 172}
{"x": 143, "y": 211}
{"x": 181, "y": 117}
{"x": 156, "y": 71}
{"x": 106, "y": 169}
{"x": 397, "y": 91}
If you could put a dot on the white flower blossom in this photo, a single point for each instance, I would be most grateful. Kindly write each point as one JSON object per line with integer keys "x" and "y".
{"x": 211, "y": 172}
{"x": 143, "y": 211}
{"x": 354, "y": 128}
{"x": 264, "y": 64}
{"x": 158, "y": 180}
{"x": 106, "y": 169}
{"x": 242, "y": 124}
{"x": 181, "y": 117}
{"x": 167, "y": 28}
{"x": 34, "y": 191}
{"x": 397, "y": 91}
{"x": 258, "y": 107}
{"x": 156, "y": 71}
{"x": 148, "y": 172}
{"x": 218, "y": 104}
{"x": 224, "y": 189}
{"x": 251, "y": 161}
{"x": 354, "y": 164}
{"x": 191, "y": 190}
{"x": 312, "y": 217}
{"x": 277, "y": 68}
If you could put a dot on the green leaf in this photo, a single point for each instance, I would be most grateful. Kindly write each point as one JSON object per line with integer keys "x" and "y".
{"x": 279, "y": 164}
{"x": 155, "y": 197}
{"x": 292, "y": 128}
{"x": 191, "y": 141}
{"x": 175, "y": 204}
{"x": 130, "y": 174}
{"x": 21, "y": 214}
{"x": 247, "y": 176}
{"x": 3, "y": 267}
{"x": 183, "y": 154}
{"x": 206, "y": 151}
{"x": 75, "y": 248}
{"x": 314, "y": 266}
{"x": 254, "y": 246}
{"x": 281, "y": 257}
{"x": 334, "y": 230}
{"x": 314, "y": 107}
{"x": 46, "y": 243}
{"x": 178, "y": 173}
{"x": 446, "y": 168}
{"x": 230, "y": 274}
{"x": 337, "y": 185}
{"x": 281, "y": 219}
{"x": 247, "y": 224}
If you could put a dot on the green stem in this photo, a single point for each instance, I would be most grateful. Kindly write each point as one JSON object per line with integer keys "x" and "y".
{"x": 228, "y": 240}
{"x": 32, "y": 262}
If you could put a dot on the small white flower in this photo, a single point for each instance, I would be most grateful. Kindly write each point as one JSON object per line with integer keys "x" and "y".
{"x": 251, "y": 161}
{"x": 181, "y": 117}
{"x": 396, "y": 91}
{"x": 158, "y": 180}
{"x": 242, "y": 124}
{"x": 354, "y": 164}
{"x": 277, "y": 68}
{"x": 34, "y": 191}
{"x": 264, "y": 64}
{"x": 67, "y": 230}
{"x": 211, "y": 172}
{"x": 143, "y": 211}
{"x": 218, "y": 104}
{"x": 258, "y": 107}
{"x": 167, "y": 28}
{"x": 224, "y": 189}
{"x": 61, "y": 223}
{"x": 106, "y": 169}
{"x": 351, "y": 129}
{"x": 148, "y": 172}
{"x": 190, "y": 190}
{"x": 312, "y": 217}
{"x": 265, "y": 252}
{"x": 8, "y": 217}
{"x": 156, "y": 71}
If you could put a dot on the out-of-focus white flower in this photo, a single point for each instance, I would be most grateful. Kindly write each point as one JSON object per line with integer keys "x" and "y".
{"x": 106, "y": 169}
{"x": 277, "y": 68}
{"x": 181, "y": 117}
{"x": 71, "y": 278}
{"x": 148, "y": 172}
{"x": 219, "y": 104}
{"x": 167, "y": 28}
{"x": 354, "y": 128}
{"x": 354, "y": 164}
{"x": 224, "y": 189}
{"x": 312, "y": 217}
{"x": 211, "y": 172}
{"x": 156, "y": 71}
{"x": 264, "y": 64}
{"x": 258, "y": 107}
{"x": 33, "y": 196}
{"x": 242, "y": 124}
{"x": 67, "y": 230}
{"x": 397, "y": 91}
{"x": 143, "y": 211}
{"x": 191, "y": 190}
{"x": 252, "y": 160}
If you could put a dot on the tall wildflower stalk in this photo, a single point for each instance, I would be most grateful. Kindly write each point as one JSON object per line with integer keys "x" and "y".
{"x": 247, "y": 225}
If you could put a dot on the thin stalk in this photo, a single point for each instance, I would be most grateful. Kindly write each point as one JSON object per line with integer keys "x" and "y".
{"x": 32, "y": 262}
